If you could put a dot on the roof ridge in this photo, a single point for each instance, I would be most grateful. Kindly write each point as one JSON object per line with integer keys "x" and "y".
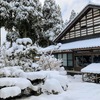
{"x": 78, "y": 15}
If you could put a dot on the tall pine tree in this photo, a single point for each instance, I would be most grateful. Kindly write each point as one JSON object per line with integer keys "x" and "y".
{"x": 6, "y": 14}
{"x": 28, "y": 18}
{"x": 72, "y": 16}
{"x": 23, "y": 16}
{"x": 52, "y": 19}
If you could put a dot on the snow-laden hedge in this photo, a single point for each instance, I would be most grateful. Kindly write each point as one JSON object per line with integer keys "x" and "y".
{"x": 49, "y": 62}
{"x": 50, "y": 82}
{"x": 22, "y": 83}
{"x": 11, "y": 71}
{"x": 10, "y": 92}
{"x": 11, "y": 87}
{"x": 19, "y": 53}
{"x": 52, "y": 86}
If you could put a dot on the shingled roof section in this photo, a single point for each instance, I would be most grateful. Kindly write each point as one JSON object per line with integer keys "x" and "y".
{"x": 76, "y": 19}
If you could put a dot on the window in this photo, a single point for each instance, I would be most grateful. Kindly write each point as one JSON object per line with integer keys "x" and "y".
{"x": 67, "y": 36}
{"x": 67, "y": 59}
{"x": 97, "y": 20}
{"x": 89, "y": 15}
{"x": 83, "y": 23}
{"x": 96, "y": 12}
{"x": 59, "y": 56}
{"x": 83, "y": 27}
{"x": 90, "y": 30}
{"x": 64, "y": 59}
{"x": 83, "y": 32}
{"x": 77, "y": 26}
{"x": 77, "y": 33}
{"x": 56, "y": 56}
{"x": 97, "y": 29}
{"x": 90, "y": 22}
{"x": 70, "y": 60}
{"x": 72, "y": 34}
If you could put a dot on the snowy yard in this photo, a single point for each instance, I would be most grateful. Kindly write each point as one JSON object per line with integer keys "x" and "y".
{"x": 77, "y": 90}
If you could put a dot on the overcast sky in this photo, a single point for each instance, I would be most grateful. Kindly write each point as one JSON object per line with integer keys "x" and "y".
{"x": 66, "y": 7}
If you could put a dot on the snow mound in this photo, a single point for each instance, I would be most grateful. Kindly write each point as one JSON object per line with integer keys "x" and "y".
{"x": 62, "y": 79}
{"x": 34, "y": 75}
{"x": 9, "y": 92}
{"x": 11, "y": 71}
{"x": 52, "y": 86}
{"x": 24, "y": 41}
{"x": 22, "y": 83}
{"x": 35, "y": 66}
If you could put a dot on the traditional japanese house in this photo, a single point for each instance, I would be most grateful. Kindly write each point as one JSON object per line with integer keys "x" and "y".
{"x": 81, "y": 39}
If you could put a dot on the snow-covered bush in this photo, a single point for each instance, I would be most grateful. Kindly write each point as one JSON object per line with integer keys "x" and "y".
{"x": 36, "y": 67}
{"x": 50, "y": 82}
{"x": 21, "y": 53}
{"x": 49, "y": 62}
{"x": 12, "y": 87}
{"x": 52, "y": 86}
{"x": 9, "y": 92}
{"x": 54, "y": 83}
{"x": 13, "y": 71}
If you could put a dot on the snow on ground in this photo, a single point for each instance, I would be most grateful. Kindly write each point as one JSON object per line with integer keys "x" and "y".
{"x": 77, "y": 90}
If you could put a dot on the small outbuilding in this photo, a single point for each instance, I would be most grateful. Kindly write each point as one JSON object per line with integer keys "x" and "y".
{"x": 91, "y": 73}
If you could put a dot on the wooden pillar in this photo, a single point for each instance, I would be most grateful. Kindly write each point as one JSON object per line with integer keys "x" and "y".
{"x": 83, "y": 77}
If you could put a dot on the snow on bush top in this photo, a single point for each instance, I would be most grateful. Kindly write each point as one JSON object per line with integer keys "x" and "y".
{"x": 50, "y": 48}
{"x": 52, "y": 86}
{"x": 34, "y": 75}
{"x": 9, "y": 92}
{"x": 62, "y": 79}
{"x": 34, "y": 65}
{"x": 24, "y": 41}
{"x": 22, "y": 83}
{"x": 11, "y": 71}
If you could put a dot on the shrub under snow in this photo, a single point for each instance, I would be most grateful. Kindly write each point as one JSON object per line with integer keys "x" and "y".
{"x": 12, "y": 87}
{"x": 50, "y": 82}
{"x": 22, "y": 83}
{"x": 21, "y": 53}
{"x": 49, "y": 62}
{"x": 52, "y": 86}
{"x": 10, "y": 92}
{"x": 14, "y": 71}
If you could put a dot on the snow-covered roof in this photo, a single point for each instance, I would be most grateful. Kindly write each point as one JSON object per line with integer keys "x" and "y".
{"x": 82, "y": 44}
{"x": 92, "y": 68}
{"x": 90, "y": 5}
{"x": 95, "y": 42}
